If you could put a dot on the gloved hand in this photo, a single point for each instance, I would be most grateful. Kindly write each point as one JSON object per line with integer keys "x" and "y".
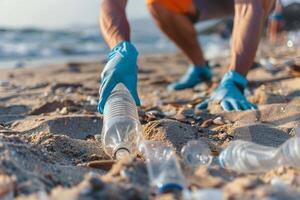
{"x": 230, "y": 93}
{"x": 120, "y": 68}
{"x": 194, "y": 75}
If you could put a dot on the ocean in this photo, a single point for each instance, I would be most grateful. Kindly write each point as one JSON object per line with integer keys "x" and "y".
{"x": 19, "y": 46}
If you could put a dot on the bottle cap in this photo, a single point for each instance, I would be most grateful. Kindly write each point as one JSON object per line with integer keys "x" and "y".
{"x": 170, "y": 187}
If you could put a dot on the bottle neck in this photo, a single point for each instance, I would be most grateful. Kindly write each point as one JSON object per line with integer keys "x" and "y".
{"x": 121, "y": 153}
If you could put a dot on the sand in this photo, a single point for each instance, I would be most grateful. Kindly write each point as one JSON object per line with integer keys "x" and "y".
{"x": 49, "y": 119}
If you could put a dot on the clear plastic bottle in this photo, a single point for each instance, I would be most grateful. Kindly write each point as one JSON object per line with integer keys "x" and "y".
{"x": 121, "y": 126}
{"x": 244, "y": 156}
{"x": 195, "y": 153}
{"x": 163, "y": 168}
{"x": 290, "y": 152}
{"x": 293, "y": 40}
{"x": 248, "y": 157}
{"x": 297, "y": 131}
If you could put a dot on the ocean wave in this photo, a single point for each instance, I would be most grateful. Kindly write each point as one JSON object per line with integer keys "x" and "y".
{"x": 32, "y": 43}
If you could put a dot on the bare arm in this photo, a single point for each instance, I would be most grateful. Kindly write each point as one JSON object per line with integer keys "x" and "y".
{"x": 113, "y": 22}
{"x": 248, "y": 25}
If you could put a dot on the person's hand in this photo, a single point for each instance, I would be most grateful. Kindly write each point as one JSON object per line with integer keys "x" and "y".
{"x": 230, "y": 94}
{"x": 194, "y": 76}
{"x": 120, "y": 68}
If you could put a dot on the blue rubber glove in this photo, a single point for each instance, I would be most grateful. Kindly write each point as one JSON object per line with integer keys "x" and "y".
{"x": 194, "y": 75}
{"x": 230, "y": 94}
{"x": 120, "y": 68}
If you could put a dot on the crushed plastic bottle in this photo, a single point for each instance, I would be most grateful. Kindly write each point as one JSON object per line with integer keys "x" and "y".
{"x": 121, "y": 125}
{"x": 163, "y": 168}
{"x": 244, "y": 156}
{"x": 196, "y": 153}
{"x": 248, "y": 157}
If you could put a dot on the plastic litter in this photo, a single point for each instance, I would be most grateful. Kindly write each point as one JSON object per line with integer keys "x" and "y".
{"x": 245, "y": 157}
{"x": 248, "y": 157}
{"x": 163, "y": 168}
{"x": 293, "y": 39}
{"x": 121, "y": 125}
{"x": 196, "y": 153}
{"x": 271, "y": 65}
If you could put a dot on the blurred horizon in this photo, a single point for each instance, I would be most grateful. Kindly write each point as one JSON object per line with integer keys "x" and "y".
{"x": 32, "y": 30}
{"x": 58, "y": 14}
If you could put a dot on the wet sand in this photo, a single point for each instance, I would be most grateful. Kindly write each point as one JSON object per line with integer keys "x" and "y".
{"x": 48, "y": 120}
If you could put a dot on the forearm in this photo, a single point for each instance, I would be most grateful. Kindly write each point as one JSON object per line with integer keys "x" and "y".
{"x": 248, "y": 25}
{"x": 113, "y": 22}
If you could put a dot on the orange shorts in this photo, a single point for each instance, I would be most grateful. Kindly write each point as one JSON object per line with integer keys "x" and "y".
{"x": 178, "y": 6}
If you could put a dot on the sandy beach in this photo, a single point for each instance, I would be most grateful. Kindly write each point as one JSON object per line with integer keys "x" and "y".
{"x": 48, "y": 120}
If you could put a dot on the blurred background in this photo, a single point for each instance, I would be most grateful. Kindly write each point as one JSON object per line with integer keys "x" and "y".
{"x": 35, "y": 30}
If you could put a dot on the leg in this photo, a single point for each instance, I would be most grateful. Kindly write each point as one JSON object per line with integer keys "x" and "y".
{"x": 249, "y": 18}
{"x": 180, "y": 30}
{"x": 276, "y": 23}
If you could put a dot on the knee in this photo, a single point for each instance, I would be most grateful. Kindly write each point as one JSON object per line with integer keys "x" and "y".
{"x": 154, "y": 9}
{"x": 260, "y": 8}
{"x": 268, "y": 5}
{"x": 159, "y": 13}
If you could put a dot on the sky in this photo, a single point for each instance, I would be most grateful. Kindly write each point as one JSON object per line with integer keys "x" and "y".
{"x": 60, "y": 13}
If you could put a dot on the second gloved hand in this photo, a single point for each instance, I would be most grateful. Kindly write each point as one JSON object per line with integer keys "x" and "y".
{"x": 120, "y": 68}
{"x": 230, "y": 94}
{"x": 194, "y": 76}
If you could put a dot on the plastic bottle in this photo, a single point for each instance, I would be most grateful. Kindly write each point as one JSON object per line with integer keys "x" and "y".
{"x": 121, "y": 126}
{"x": 195, "y": 153}
{"x": 290, "y": 150}
{"x": 243, "y": 156}
{"x": 163, "y": 168}
{"x": 297, "y": 131}
{"x": 293, "y": 39}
